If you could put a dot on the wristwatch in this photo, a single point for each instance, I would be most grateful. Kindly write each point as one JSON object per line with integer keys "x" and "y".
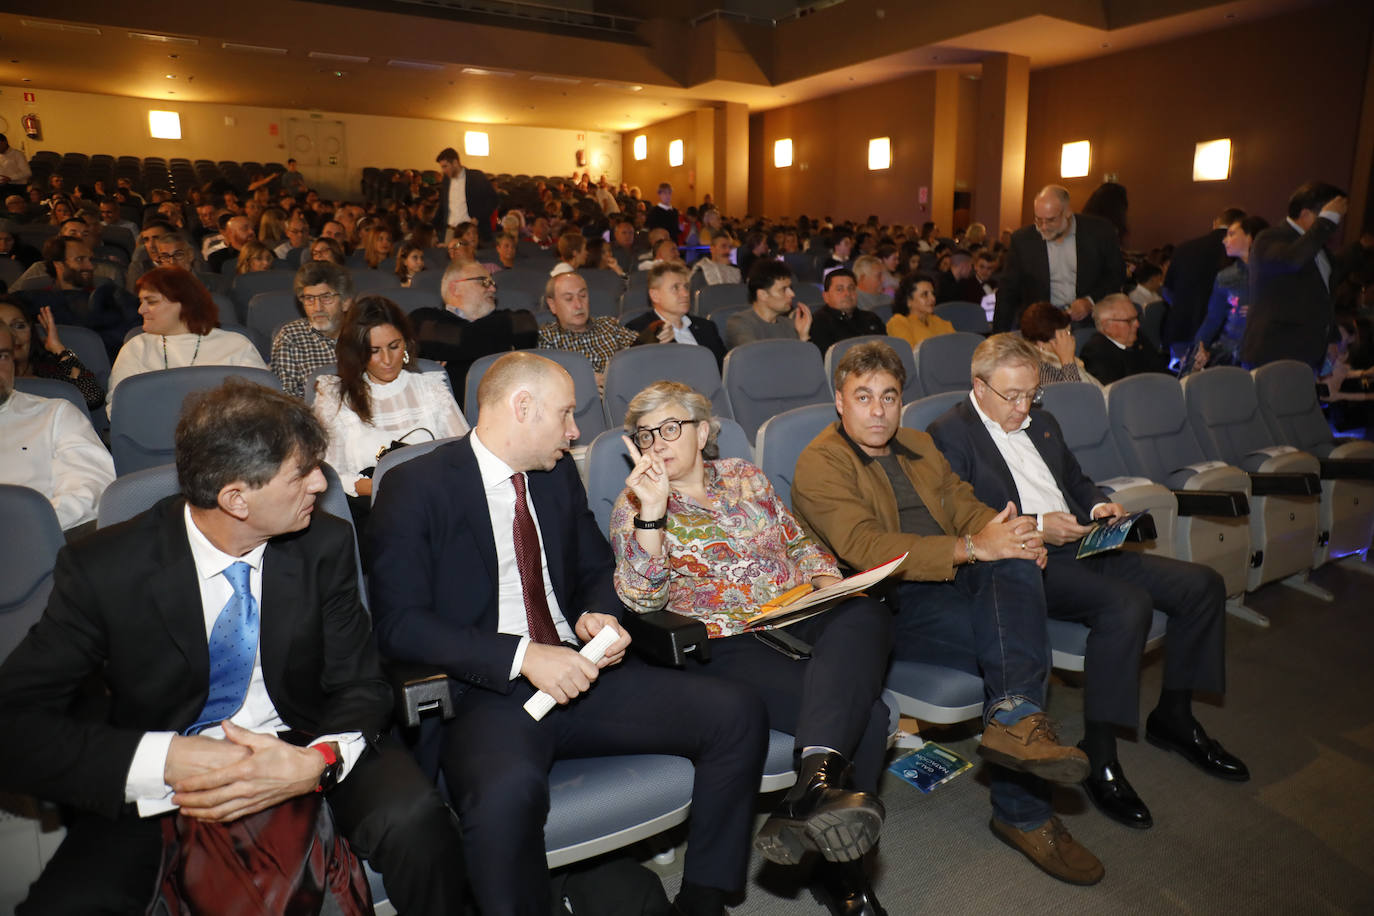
{"x": 333, "y": 766}
{"x": 651, "y": 524}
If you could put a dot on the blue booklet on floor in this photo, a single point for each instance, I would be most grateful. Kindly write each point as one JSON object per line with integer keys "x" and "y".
{"x": 930, "y": 766}
{"x": 1108, "y": 535}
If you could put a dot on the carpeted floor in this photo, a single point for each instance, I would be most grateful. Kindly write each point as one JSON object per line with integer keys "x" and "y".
{"x": 1297, "y": 838}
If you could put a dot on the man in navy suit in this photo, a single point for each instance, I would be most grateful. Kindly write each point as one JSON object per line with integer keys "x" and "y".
{"x": 670, "y": 296}
{"x": 487, "y": 563}
{"x": 1008, "y": 450}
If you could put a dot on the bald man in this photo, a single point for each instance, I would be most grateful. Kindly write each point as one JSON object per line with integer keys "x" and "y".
{"x": 487, "y": 563}
{"x": 1069, "y": 259}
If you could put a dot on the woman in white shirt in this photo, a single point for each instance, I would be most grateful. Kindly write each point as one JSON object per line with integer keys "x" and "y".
{"x": 379, "y": 396}
{"x": 180, "y": 328}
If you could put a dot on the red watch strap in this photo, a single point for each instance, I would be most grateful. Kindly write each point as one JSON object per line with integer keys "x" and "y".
{"x": 327, "y": 749}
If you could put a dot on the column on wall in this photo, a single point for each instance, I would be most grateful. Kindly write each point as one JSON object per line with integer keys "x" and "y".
{"x": 731, "y": 152}
{"x": 944, "y": 144}
{"x": 1001, "y": 167}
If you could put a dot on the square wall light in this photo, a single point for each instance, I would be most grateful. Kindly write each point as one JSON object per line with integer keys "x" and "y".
{"x": 1075, "y": 159}
{"x": 641, "y": 148}
{"x": 879, "y": 153}
{"x": 1212, "y": 160}
{"x": 164, "y": 125}
{"x": 476, "y": 143}
{"x": 675, "y": 153}
{"x": 782, "y": 153}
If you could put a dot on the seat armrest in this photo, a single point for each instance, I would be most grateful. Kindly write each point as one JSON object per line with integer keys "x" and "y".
{"x": 1143, "y": 530}
{"x": 419, "y": 689}
{"x": 1220, "y": 503}
{"x": 1284, "y": 484}
{"x": 1347, "y": 469}
{"x": 665, "y": 638}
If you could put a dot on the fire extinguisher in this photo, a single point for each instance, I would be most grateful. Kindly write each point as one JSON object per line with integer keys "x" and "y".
{"x": 32, "y": 128}
{"x": 582, "y": 158}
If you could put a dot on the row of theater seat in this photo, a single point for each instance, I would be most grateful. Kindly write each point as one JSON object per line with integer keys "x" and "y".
{"x": 144, "y": 173}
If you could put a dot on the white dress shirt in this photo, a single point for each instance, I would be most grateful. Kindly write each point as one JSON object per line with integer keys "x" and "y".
{"x": 144, "y": 353}
{"x": 47, "y": 445}
{"x": 458, "y": 199}
{"x": 14, "y": 168}
{"x": 500, "y": 492}
{"x": 144, "y": 785}
{"x": 683, "y": 334}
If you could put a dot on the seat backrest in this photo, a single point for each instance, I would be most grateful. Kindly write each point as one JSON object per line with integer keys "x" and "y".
{"x": 53, "y": 388}
{"x": 604, "y": 288}
{"x": 89, "y": 348}
{"x": 1152, "y": 321}
{"x": 144, "y": 417}
{"x": 921, "y": 412}
{"x": 1287, "y": 396}
{"x": 1081, "y": 412}
{"x": 766, "y": 377}
{"x": 910, "y": 391}
{"x": 590, "y": 416}
{"x": 712, "y": 298}
{"x": 1081, "y": 336}
{"x": 1149, "y": 424}
{"x": 245, "y": 286}
{"x": 530, "y": 280}
{"x": 1225, "y": 413}
{"x": 413, "y": 297}
{"x": 631, "y": 371}
{"x": 965, "y": 316}
{"x": 943, "y": 362}
{"x": 10, "y": 270}
{"x": 808, "y": 294}
{"x": 268, "y": 312}
{"x": 636, "y": 296}
{"x": 29, "y": 541}
{"x": 401, "y": 455}
{"x": 782, "y": 439}
{"x": 371, "y": 282}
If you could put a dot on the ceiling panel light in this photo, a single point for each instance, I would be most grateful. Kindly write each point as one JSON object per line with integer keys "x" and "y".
{"x": 252, "y": 49}
{"x": 341, "y": 58}
{"x": 163, "y": 39}
{"x": 481, "y": 71}
{"x": 566, "y": 81}
{"x": 414, "y": 65}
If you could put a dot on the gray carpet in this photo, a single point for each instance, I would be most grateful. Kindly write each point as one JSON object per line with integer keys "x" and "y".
{"x": 1297, "y": 838}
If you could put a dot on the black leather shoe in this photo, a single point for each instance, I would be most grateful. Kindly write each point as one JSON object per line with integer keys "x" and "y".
{"x": 1198, "y": 749}
{"x": 843, "y": 888}
{"x": 819, "y": 813}
{"x": 1114, "y": 797}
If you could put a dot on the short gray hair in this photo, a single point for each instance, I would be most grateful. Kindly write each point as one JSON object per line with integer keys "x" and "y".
{"x": 675, "y": 394}
{"x": 867, "y": 265}
{"x": 1003, "y": 350}
{"x": 1109, "y": 303}
{"x": 313, "y": 273}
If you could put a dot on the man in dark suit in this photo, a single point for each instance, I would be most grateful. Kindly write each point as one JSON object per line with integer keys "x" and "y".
{"x": 958, "y": 284}
{"x": 1010, "y": 451}
{"x": 464, "y": 194}
{"x": 486, "y": 562}
{"x": 1291, "y": 279}
{"x": 1069, "y": 259}
{"x": 226, "y": 624}
{"x": 1117, "y": 350}
{"x": 1192, "y": 271}
{"x": 670, "y": 298}
{"x": 841, "y": 318}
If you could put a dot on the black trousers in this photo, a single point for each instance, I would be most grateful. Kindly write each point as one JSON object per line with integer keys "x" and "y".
{"x": 834, "y": 698}
{"x": 496, "y": 762}
{"x": 1114, "y": 594}
{"x": 391, "y": 815}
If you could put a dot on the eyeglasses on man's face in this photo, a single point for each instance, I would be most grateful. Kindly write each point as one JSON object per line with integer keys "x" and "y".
{"x": 668, "y": 431}
{"x": 487, "y": 282}
{"x": 1028, "y": 398}
{"x": 181, "y": 256}
{"x": 328, "y": 298}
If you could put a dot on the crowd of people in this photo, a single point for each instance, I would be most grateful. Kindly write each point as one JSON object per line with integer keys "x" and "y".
{"x": 484, "y": 560}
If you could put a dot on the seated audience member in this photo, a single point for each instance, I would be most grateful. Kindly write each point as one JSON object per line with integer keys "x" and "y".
{"x": 625, "y": 246}
{"x": 45, "y": 273}
{"x": 913, "y": 311}
{"x": 572, "y": 252}
{"x": 599, "y": 257}
{"x": 1218, "y": 339}
{"x": 1148, "y": 282}
{"x": 50, "y": 360}
{"x": 505, "y": 251}
{"x": 868, "y": 280}
{"x": 410, "y": 260}
{"x": 958, "y": 284}
{"x": 302, "y": 345}
{"x": 48, "y": 445}
{"x": 501, "y": 518}
{"x": 297, "y": 237}
{"x": 334, "y": 229}
{"x": 708, "y": 538}
{"x": 890, "y": 258}
{"x": 238, "y": 232}
{"x": 180, "y": 328}
{"x": 13, "y": 248}
{"x": 841, "y": 318}
{"x": 770, "y": 301}
{"x": 573, "y": 327}
{"x": 470, "y": 326}
{"x": 969, "y": 595}
{"x": 1117, "y": 350}
{"x": 717, "y": 268}
{"x": 841, "y": 248}
{"x": 327, "y": 249}
{"x": 1012, "y": 452}
{"x": 242, "y": 677}
{"x": 664, "y": 251}
{"x": 539, "y": 233}
{"x": 254, "y": 258}
{"x": 379, "y": 397}
{"x": 1049, "y": 330}
{"x": 376, "y": 247}
{"x": 174, "y": 249}
{"x": 670, "y": 298}
{"x": 464, "y": 242}
{"x": 109, "y": 216}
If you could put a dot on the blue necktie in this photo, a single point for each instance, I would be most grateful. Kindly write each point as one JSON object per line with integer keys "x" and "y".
{"x": 233, "y": 646}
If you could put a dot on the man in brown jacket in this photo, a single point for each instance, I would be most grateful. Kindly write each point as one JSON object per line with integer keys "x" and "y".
{"x": 970, "y": 594}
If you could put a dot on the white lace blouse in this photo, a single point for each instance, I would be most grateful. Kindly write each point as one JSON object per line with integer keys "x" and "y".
{"x": 412, "y": 403}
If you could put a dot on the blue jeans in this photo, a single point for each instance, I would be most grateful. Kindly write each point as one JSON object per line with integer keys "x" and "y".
{"x": 989, "y": 621}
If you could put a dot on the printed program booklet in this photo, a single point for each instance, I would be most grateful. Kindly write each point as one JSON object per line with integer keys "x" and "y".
{"x": 933, "y": 765}
{"x": 1108, "y": 534}
{"x": 801, "y": 602}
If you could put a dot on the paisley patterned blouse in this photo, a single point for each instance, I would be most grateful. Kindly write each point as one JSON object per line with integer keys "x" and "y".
{"x": 721, "y": 564}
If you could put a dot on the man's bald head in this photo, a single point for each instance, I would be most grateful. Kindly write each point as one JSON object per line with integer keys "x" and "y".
{"x": 527, "y": 406}
{"x": 1052, "y": 212}
{"x": 515, "y": 371}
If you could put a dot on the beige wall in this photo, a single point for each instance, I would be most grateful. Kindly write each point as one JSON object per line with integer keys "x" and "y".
{"x": 691, "y": 180}
{"x": 78, "y": 122}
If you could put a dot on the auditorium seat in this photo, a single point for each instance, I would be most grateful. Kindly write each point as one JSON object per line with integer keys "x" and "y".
{"x": 604, "y": 288}
{"x": 910, "y": 391}
{"x": 720, "y": 317}
{"x": 781, "y": 440}
{"x": 943, "y": 363}
{"x": 965, "y": 316}
{"x": 55, "y": 388}
{"x": 636, "y": 296}
{"x": 411, "y": 298}
{"x": 630, "y": 371}
{"x": 589, "y": 416}
{"x": 370, "y": 282}
{"x": 809, "y": 294}
{"x": 767, "y": 377}
{"x": 920, "y": 413}
{"x": 29, "y": 541}
{"x": 244, "y": 287}
{"x": 719, "y": 296}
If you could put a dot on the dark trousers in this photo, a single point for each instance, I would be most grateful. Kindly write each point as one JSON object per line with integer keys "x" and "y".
{"x": 989, "y": 621}
{"x": 496, "y": 761}
{"x": 834, "y": 698}
{"x": 1114, "y": 594}
{"x": 391, "y": 815}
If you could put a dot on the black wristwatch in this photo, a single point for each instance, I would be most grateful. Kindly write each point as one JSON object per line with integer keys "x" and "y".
{"x": 333, "y": 766}
{"x": 651, "y": 525}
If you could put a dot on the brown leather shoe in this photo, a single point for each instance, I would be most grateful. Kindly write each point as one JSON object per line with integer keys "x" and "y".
{"x": 1031, "y": 746}
{"x": 1053, "y": 851}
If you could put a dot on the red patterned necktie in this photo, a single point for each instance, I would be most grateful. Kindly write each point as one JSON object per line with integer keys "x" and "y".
{"x": 528, "y": 560}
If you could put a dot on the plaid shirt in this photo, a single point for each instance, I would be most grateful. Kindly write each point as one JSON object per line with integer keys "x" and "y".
{"x": 298, "y": 350}
{"x": 603, "y": 338}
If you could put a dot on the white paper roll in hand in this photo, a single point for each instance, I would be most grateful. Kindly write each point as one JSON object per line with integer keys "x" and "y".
{"x": 539, "y": 705}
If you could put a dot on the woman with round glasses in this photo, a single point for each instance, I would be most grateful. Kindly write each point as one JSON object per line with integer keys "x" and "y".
{"x": 709, "y": 538}
{"x": 1048, "y": 330}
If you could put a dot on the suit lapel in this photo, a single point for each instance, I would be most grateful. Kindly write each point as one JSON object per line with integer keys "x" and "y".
{"x": 281, "y": 594}
{"x": 176, "y": 592}
{"x": 470, "y": 500}
{"x": 986, "y": 454}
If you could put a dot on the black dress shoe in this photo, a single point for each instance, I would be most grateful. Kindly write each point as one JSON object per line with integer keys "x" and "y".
{"x": 843, "y": 888}
{"x": 1198, "y": 749}
{"x": 819, "y": 813}
{"x": 1114, "y": 797}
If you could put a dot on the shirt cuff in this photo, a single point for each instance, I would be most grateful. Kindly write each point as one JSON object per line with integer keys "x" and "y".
{"x": 145, "y": 785}
{"x": 351, "y": 747}
{"x": 1040, "y": 521}
{"x": 1331, "y": 215}
{"x": 1094, "y": 509}
{"x": 519, "y": 659}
